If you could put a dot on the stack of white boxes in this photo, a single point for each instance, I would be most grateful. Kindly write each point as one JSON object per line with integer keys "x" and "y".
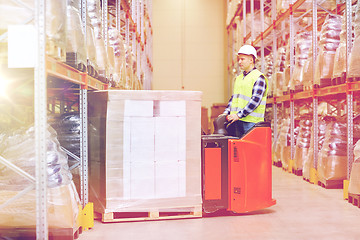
{"x": 153, "y": 150}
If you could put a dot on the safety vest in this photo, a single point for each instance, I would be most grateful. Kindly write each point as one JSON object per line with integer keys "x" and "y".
{"x": 242, "y": 94}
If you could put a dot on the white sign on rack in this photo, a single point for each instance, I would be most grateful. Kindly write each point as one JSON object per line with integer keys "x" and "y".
{"x": 21, "y": 46}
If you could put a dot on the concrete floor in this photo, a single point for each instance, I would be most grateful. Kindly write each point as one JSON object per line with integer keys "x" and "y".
{"x": 303, "y": 211}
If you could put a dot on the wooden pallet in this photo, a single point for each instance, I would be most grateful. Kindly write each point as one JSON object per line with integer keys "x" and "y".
{"x": 54, "y": 50}
{"x": 297, "y": 172}
{"x": 338, "y": 81}
{"x": 305, "y": 179}
{"x": 277, "y": 164}
{"x": 30, "y": 233}
{"x": 354, "y": 199}
{"x": 354, "y": 79}
{"x": 160, "y": 214}
{"x": 325, "y": 82}
{"x": 298, "y": 88}
{"x": 331, "y": 184}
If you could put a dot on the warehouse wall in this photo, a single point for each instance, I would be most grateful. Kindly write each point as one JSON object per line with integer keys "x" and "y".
{"x": 189, "y": 47}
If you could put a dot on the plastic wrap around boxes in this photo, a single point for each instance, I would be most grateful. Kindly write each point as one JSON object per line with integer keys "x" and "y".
{"x": 63, "y": 200}
{"x": 76, "y": 52}
{"x": 144, "y": 150}
{"x": 354, "y": 69}
{"x": 302, "y": 143}
{"x": 308, "y": 162}
{"x": 55, "y": 24}
{"x": 302, "y": 46}
{"x": 354, "y": 183}
{"x": 329, "y": 42}
{"x": 332, "y": 164}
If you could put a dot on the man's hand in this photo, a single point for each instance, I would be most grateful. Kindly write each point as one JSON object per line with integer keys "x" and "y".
{"x": 232, "y": 118}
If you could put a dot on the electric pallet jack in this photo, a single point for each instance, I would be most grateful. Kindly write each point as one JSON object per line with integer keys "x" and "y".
{"x": 236, "y": 172}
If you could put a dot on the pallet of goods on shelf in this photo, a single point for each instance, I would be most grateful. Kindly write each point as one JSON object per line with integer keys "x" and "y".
{"x": 329, "y": 42}
{"x": 302, "y": 144}
{"x": 332, "y": 164}
{"x": 302, "y": 46}
{"x": 55, "y": 24}
{"x": 307, "y": 73}
{"x": 94, "y": 10}
{"x": 144, "y": 157}
{"x": 279, "y": 68}
{"x": 282, "y": 148}
{"x": 18, "y": 193}
{"x": 117, "y": 43}
{"x": 354, "y": 69}
{"x": 269, "y": 67}
{"x": 354, "y": 183}
{"x": 92, "y": 68}
{"x": 76, "y": 54}
{"x": 339, "y": 73}
{"x": 276, "y": 158}
{"x": 308, "y": 162}
{"x": 67, "y": 127}
{"x": 286, "y": 75}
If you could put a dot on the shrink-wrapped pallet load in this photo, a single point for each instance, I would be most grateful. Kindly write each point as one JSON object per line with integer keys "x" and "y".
{"x": 63, "y": 201}
{"x": 308, "y": 162}
{"x": 282, "y": 148}
{"x": 13, "y": 13}
{"x": 307, "y": 73}
{"x": 354, "y": 68}
{"x": 75, "y": 41}
{"x": 332, "y": 164}
{"x": 329, "y": 42}
{"x": 302, "y": 46}
{"x": 340, "y": 55}
{"x": 277, "y": 143}
{"x": 91, "y": 49}
{"x": 354, "y": 183}
{"x": 279, "y": 68}
{"x": 111, "y": 66}
{"x": 67, "y": 127}
{"x": 286, "y": 75}
{"x": 115, "y": 40}
{"x": 269, "y": 66}
{"x": 144, "y": 151}
{"x": 94, "y": 10}
{"x": 302, "y": 143}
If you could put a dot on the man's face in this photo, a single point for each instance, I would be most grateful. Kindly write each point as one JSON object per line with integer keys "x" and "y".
{"x": 245, "y": 61}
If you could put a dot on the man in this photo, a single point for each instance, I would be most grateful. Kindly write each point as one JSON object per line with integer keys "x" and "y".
{"x": 247, "y": 105}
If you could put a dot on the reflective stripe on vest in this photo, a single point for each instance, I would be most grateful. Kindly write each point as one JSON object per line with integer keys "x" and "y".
{"x": 242, "y": 94}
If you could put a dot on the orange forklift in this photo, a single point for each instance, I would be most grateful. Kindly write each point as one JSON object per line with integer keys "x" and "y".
{"x": 237, "y": 172}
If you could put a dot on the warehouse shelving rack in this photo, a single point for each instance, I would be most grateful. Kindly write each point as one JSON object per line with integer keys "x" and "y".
{"x": 136, "y": 26}
{"x": 287, "y": 102}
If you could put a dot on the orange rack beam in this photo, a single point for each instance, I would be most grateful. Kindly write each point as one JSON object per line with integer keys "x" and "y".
{"x": 63, "y": 71}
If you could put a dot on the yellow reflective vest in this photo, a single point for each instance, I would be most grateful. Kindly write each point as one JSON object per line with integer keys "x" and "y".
{"x": 242, "y": 94}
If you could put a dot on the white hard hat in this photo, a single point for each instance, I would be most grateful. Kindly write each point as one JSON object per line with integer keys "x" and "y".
{"x": 247, "y": 50}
